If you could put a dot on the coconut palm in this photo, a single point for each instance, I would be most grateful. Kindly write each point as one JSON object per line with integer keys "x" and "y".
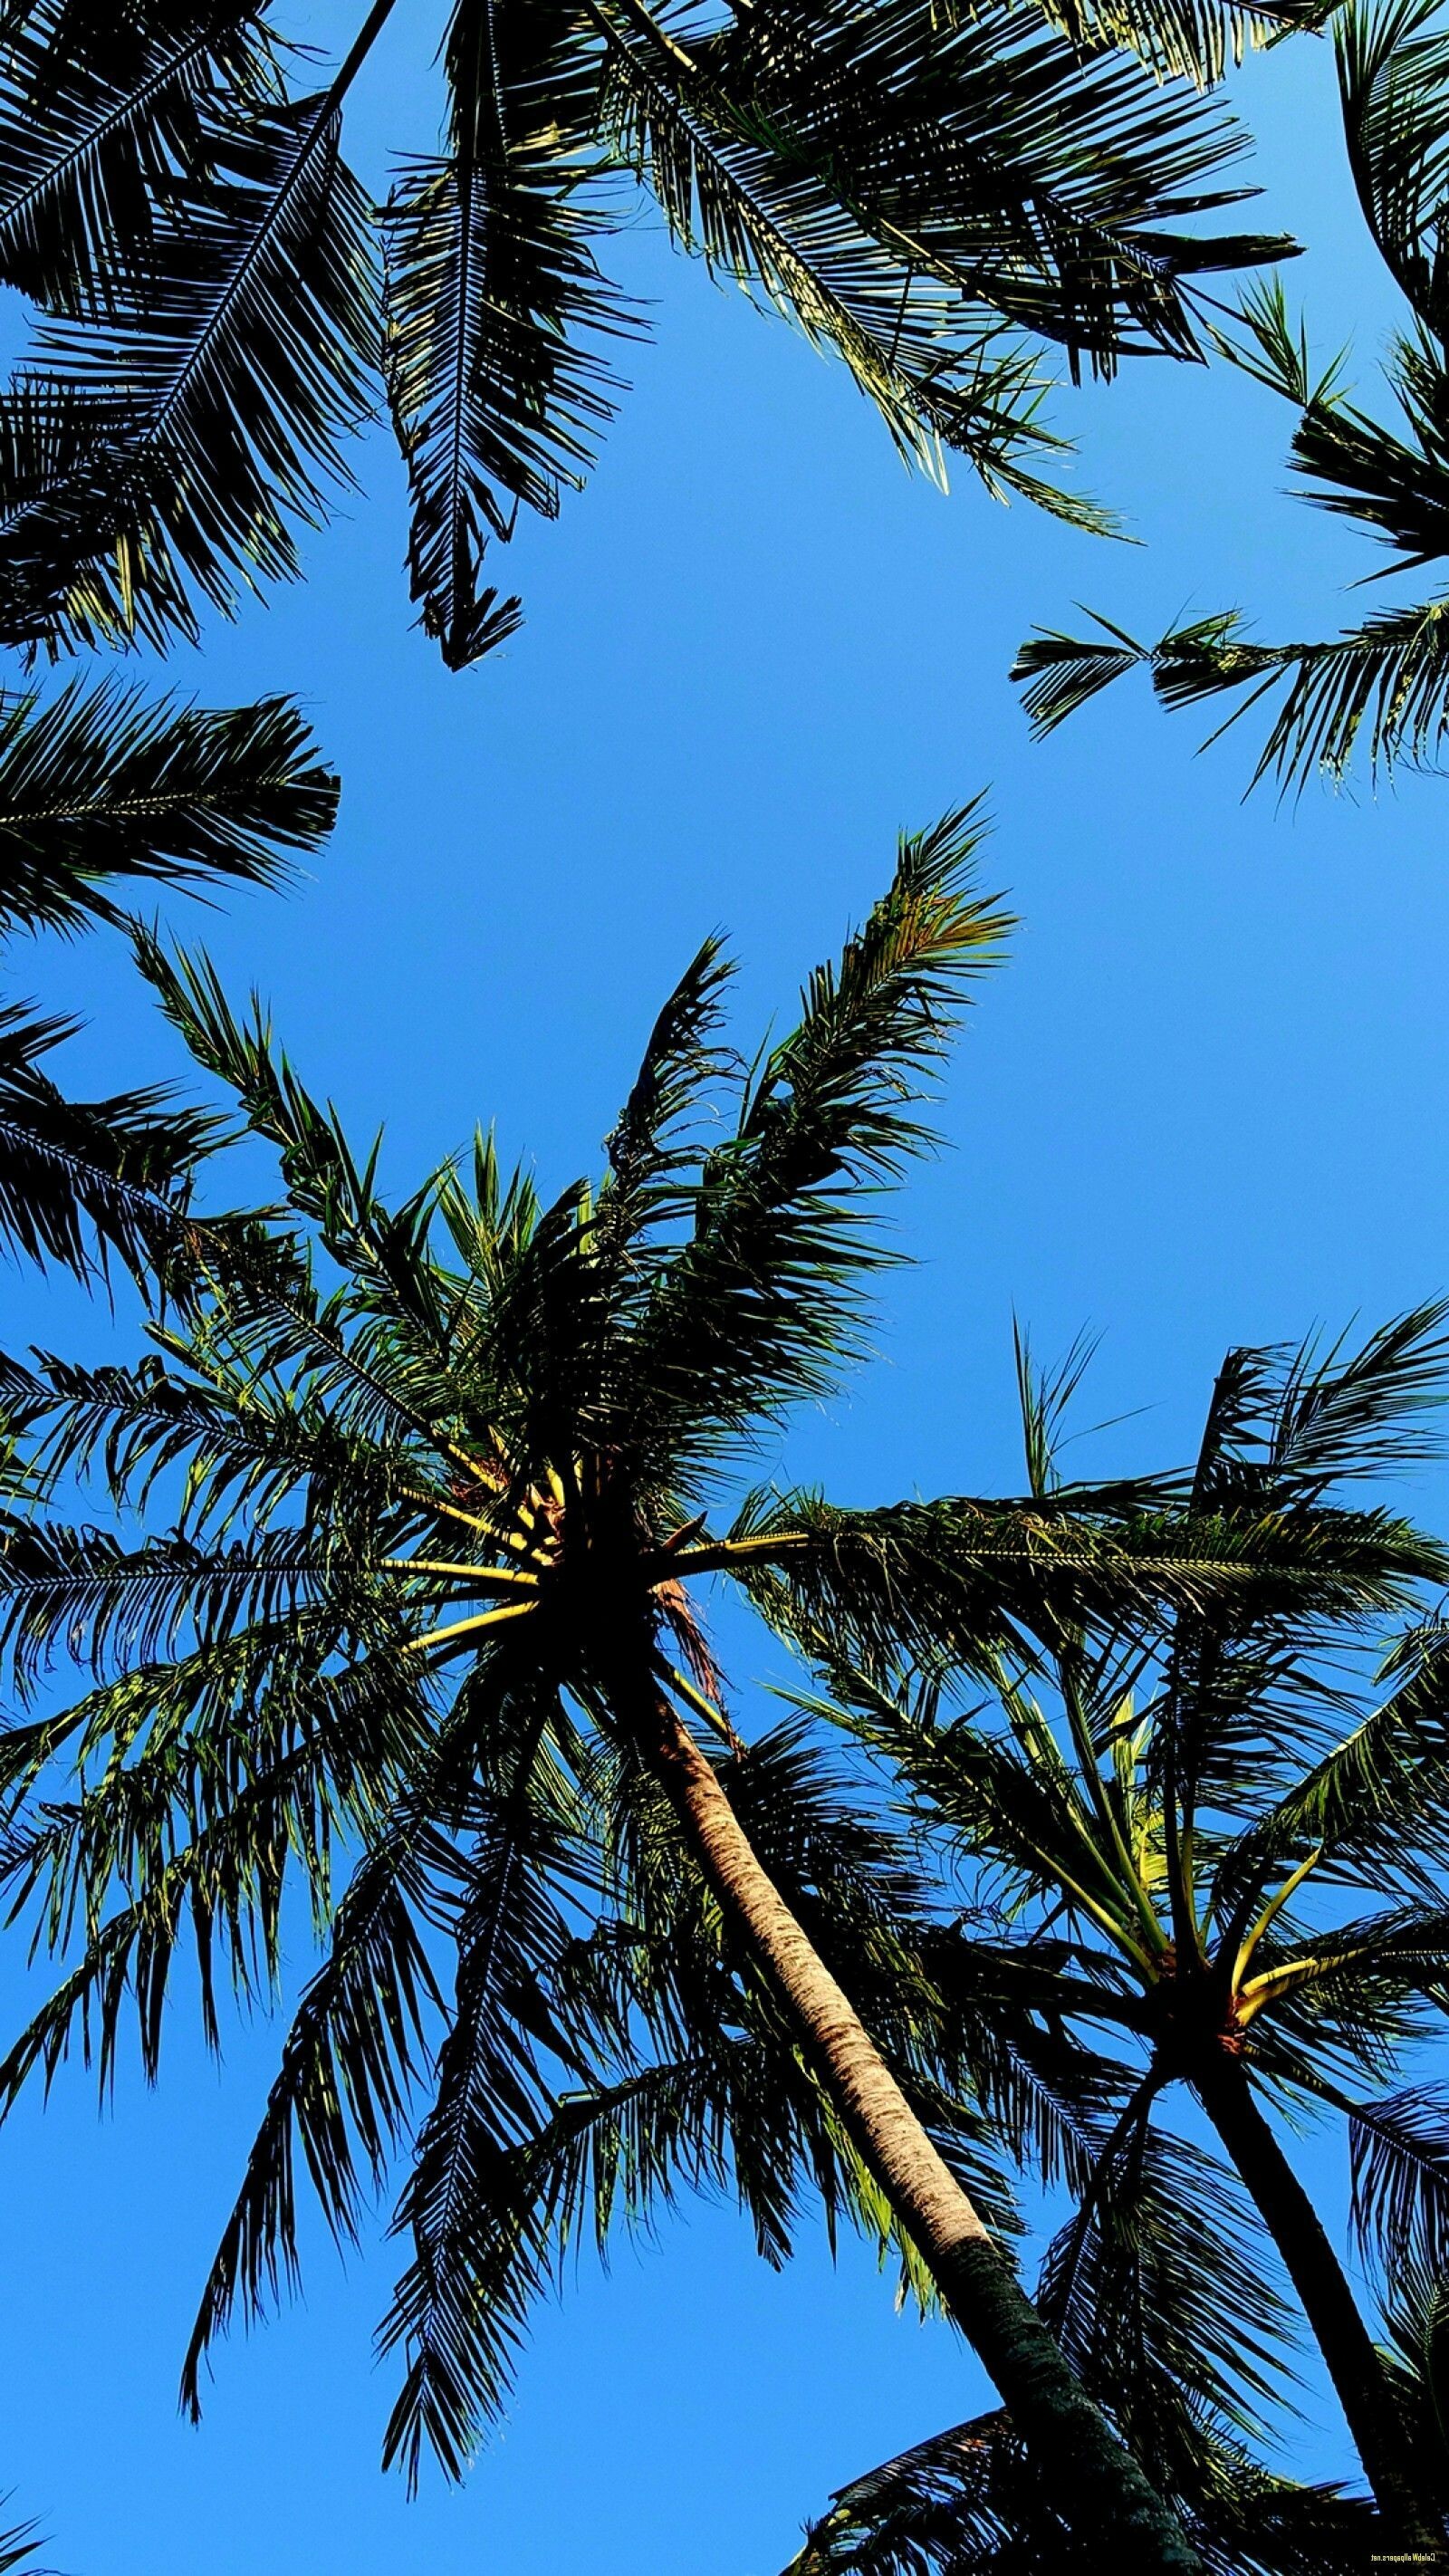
{"x": 1385, "y": 681}
{"x": 424, "y": 1631}
{"x": 966, "y": 2499}
{"x": 1184, "y": 1830}
{"x": 101, "y": 789}
{"x": 936, "y": 196}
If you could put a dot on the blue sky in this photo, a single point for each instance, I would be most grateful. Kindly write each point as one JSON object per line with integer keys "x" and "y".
{"x": 1203, "y": 1105}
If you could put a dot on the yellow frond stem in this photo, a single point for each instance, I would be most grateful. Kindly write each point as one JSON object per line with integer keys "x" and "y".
{"x": 705, "y": 1708}
{"x": 721, "y": 1554}
{"x": 466, "y": 1627}
{"x": 1273, "y": 1907}
{"x": 496, "y": 1578}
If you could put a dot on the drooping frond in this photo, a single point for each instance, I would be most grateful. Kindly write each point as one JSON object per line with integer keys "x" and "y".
{"x": 887, "y": 174}
{"x": 241, "y": 370}
{"x": 102, "y": 784}
{"x": 103, "y": 112}
{"x": 497, "y": 313}
{"x": 505, "y": 2040}
{"x": 82, "y": 1178}
{"x": 351, "y": 2061}
{"x": 1146, "y": 2289}
{"x": 1399, "y": 2151}
{"x": 1194, "y": 40}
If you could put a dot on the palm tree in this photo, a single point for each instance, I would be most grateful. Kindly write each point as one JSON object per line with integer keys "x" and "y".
{"x": 1164, "y": 1830}
{"x": 100, "y": 788}
{"x": 1385, "y": 680}
{"x": 966, "y": 2500}
{"x": 933, "y": 195}
{"x": 425, "y": 1629}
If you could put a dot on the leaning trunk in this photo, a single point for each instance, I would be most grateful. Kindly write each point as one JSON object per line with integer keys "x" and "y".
{"x": 1096, "y": 2484}
{"x": 1348, "y": 2349}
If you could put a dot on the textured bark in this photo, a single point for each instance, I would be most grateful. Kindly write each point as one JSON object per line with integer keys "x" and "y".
{"x": 1095, "y": 2483}
{"x": 1353, "y": 2364}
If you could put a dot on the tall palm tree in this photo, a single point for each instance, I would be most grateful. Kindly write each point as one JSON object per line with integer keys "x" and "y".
{"x": 101, "y": 789}
{"x": 1175, "y": 1830}
{"x": 425, "y": 1630}
{"x": 933, "y": 195}
{"x": 1385, "y": 680}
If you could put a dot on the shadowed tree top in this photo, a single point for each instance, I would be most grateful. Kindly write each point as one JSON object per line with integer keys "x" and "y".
{"x": 1383, "y": 684}
{"x": 934, "y": 195}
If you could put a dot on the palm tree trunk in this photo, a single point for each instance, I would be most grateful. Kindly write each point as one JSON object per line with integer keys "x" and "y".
{"x": 1353, "y": 2364}
{"x": 1096, "y": 2484}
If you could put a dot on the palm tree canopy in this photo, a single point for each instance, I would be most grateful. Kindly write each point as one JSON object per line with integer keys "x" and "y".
{"x": 1225, "y": 1836}
{"x": 966, "y": 2499}
{"x": 935, "y": 196}
{"x": 101, "y": 790}
{"x": 1385, "y": 681}
{"x": 443, "y": 1480}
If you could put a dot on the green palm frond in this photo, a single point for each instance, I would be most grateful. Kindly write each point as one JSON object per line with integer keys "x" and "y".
{"x": 100, "y": 788}
{"x": 1393, "y": 74}
{"x": 498, "y": 314}
{"x": 71, "y": 575}
{"x": 762, "y": 1299}
{"x": 964, "y": 160}
{"x": 81, "y": 1178}
{"x": 99, "y": 785}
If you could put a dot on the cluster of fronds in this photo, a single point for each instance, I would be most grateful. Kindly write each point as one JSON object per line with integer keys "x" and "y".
{"x": 1383, "y": 684}
{"x": 938, "y": 197}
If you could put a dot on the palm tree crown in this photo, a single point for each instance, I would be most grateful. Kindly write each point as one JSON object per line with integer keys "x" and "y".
{"x": 931, "y": 194}
{"x": 1228, "y": 1848}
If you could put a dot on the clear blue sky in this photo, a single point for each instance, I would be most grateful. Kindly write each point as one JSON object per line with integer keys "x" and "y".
{"x": 1205, "y": 1104}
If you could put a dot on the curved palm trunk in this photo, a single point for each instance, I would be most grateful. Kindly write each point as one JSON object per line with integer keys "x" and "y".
{"x": 1348, "y": 2349}
{"x": 1099, "y": 2486}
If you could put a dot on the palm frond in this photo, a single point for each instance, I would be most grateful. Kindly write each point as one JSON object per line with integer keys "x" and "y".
{"x": 1386, "y": 680}
{"x": 492, "y": 2091}
{"x": 1194, "y": 40}
{"x": 83, "y": 1178}
{"x": 244, "y": 367}
{"x": 966, "y": 2499}
{"x": 352, "y": 2058}
{"x": 101, "y": 113}
{"x": 1399, "y": 2160}
{"x": 1393, "y": 74}
{"x": 497, "y": 313}
{"x": 102, "y": 784}
{"x": 759, "y": 1304}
